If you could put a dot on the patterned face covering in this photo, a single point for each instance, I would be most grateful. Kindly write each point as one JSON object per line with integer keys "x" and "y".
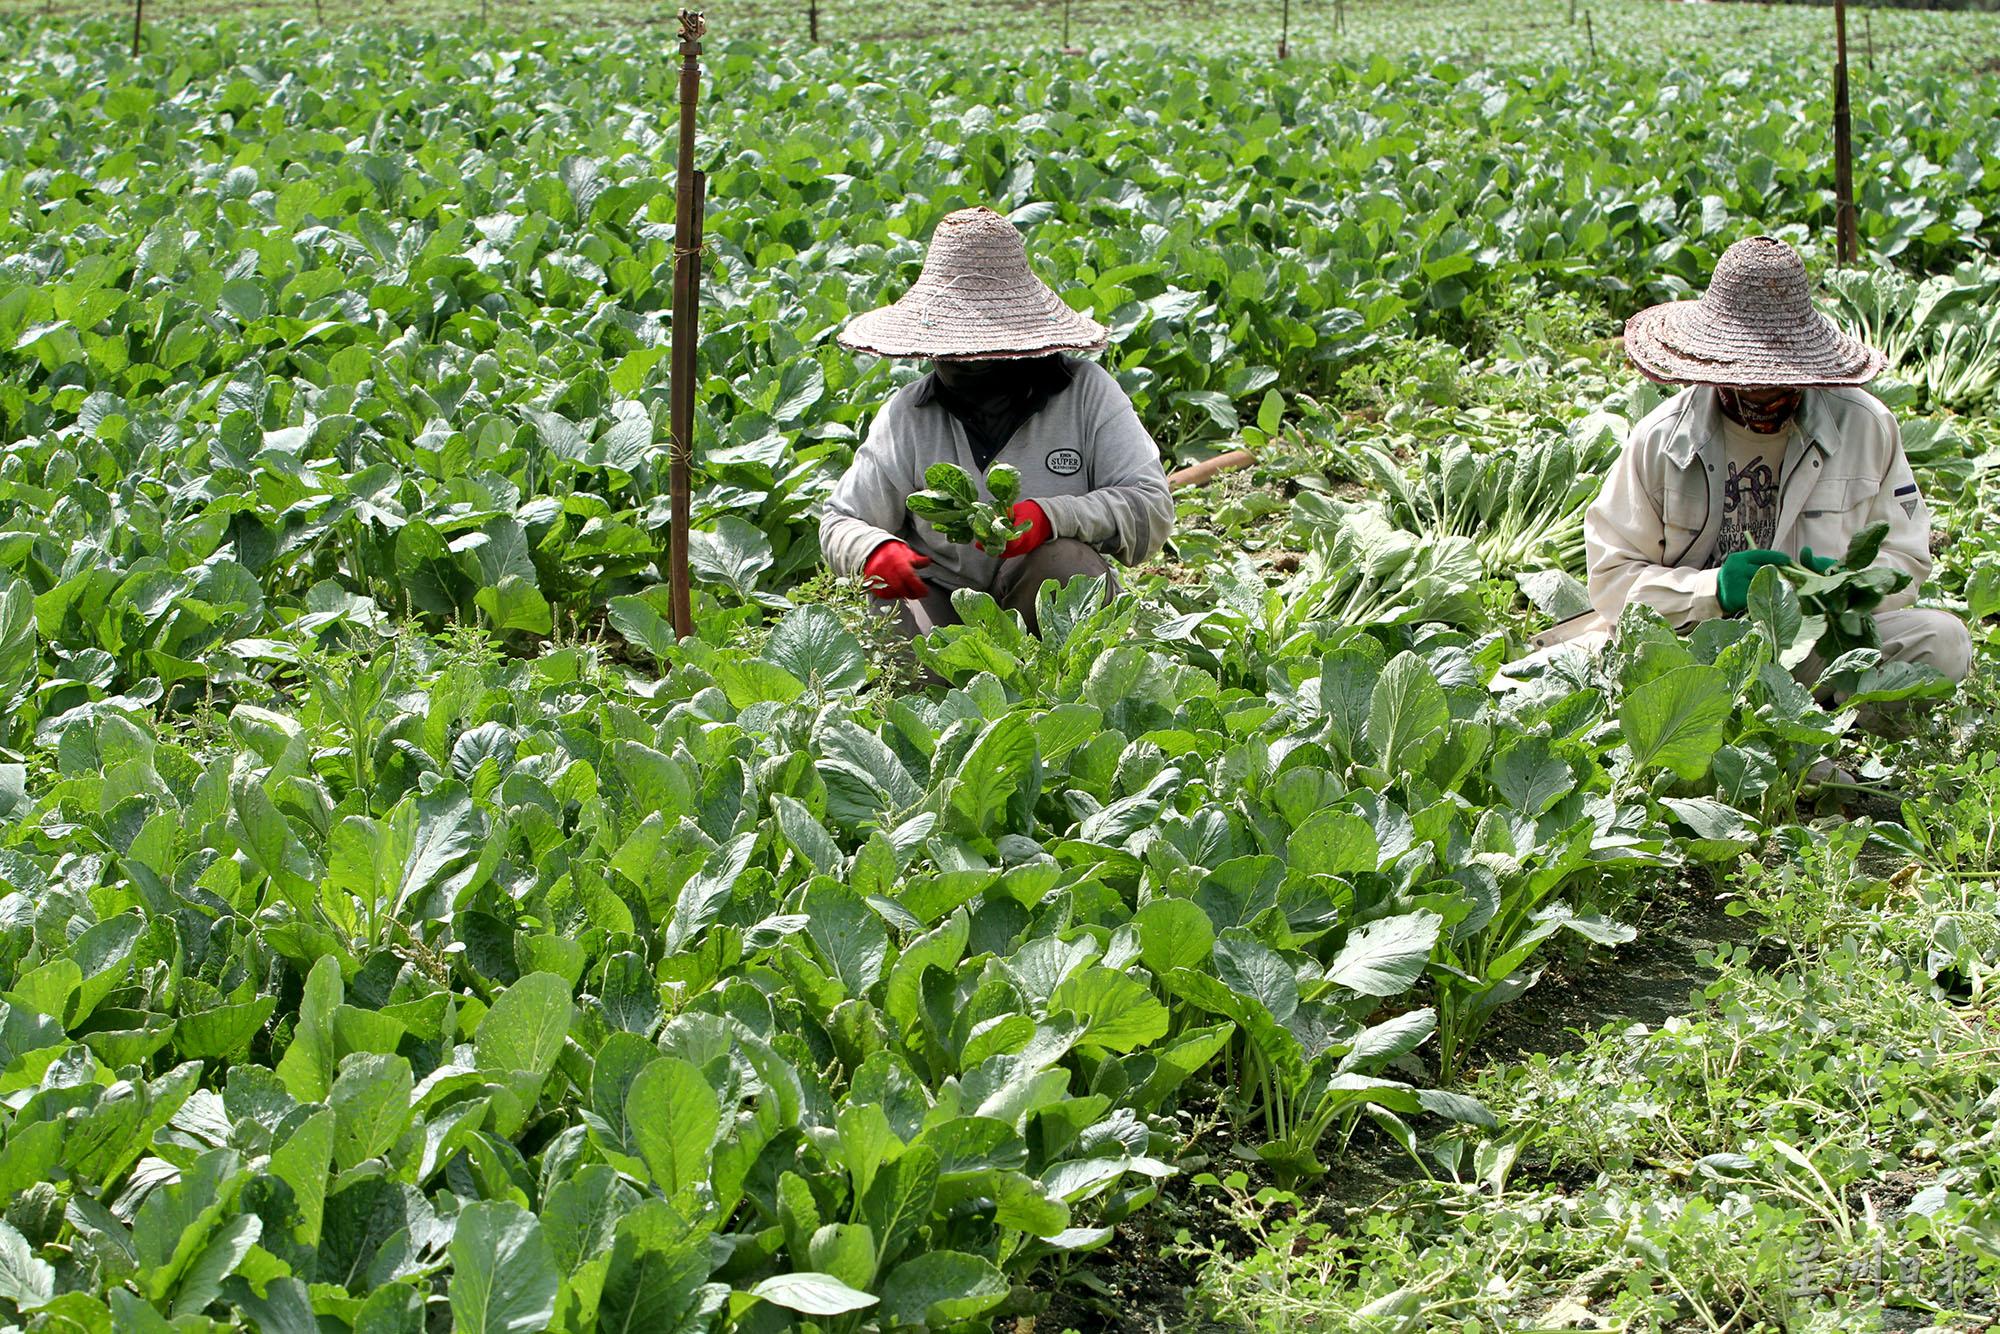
{"x": 1764, "y": 410}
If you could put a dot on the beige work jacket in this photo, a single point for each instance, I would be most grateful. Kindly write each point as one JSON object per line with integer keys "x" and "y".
{"x": 1650, "y": 535}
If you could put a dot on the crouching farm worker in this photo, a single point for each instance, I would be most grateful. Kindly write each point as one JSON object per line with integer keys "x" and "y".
{"x": 1772, "y": 455}
{"x": 1000, "y": 391}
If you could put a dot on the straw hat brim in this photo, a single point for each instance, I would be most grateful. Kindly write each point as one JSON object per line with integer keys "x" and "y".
{"x": 1682, "y": 342}
{"x": 974, "y": 319}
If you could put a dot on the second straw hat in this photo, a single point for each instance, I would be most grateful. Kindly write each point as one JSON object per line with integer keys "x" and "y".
{"x": 976, "y": 298}
{"x": 1755, "y": 326}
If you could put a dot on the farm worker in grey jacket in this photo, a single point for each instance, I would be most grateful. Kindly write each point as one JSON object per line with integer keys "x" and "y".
{"x": 1773, "y": 454}
{"x": 1000, "y": 390}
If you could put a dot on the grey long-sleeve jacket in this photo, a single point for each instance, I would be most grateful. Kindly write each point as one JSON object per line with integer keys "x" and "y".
{"x": 1084, "y": 458}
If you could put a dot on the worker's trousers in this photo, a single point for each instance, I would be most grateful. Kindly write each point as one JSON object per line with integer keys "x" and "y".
{"x": 1927, "y": 635}
{"x": 1015, "y": 586}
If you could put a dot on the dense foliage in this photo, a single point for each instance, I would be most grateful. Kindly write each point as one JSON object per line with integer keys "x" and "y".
{"x": 410, "y": 336}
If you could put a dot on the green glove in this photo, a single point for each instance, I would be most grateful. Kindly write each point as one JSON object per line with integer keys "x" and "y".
{"x": 1817, "y": 564}
{"x": 1732, "y": 581}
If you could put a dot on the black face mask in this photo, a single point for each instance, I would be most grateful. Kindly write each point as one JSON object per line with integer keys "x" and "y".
{"x": 975, "y": 379}
{"x": 992, "y": 398}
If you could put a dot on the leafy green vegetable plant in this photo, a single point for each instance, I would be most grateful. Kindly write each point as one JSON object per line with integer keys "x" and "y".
{"x": 1522, "y": 508}
{"x": 1838, "y": 602}
{"x": 399, "y": 924}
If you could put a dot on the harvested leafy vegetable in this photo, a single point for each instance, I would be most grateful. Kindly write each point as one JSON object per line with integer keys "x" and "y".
{"x": 1934, "y": 332}
{"x": 953, "y": 506}
{"x": 1522, "y": 507}
{"x": 1838, "y": 604}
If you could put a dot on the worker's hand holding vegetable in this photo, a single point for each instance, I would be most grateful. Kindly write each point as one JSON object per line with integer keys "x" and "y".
{"x": 1039, "y": 530}
{"x": 1732, "y": 579}
{"x": 1844, "y": 594}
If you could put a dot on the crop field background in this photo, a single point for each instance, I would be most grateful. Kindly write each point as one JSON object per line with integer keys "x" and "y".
{"x": 400, "y": 930}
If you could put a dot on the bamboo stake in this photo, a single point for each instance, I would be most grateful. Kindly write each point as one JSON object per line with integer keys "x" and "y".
{"x": 1868, "y": 29}
{"x": 1847, "y": 245}
{"x": 1285, "y": 31}
{"x": 138, "y": 17}
{"x": 687, "y": 268}
{"x": 1590, "y": 36}
{"x": 812, "y": 21}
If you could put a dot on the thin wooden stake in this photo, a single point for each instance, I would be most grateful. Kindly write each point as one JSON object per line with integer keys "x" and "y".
{"x": 1065, "y": 25}
{"x": 1572, "y": 13}
{"x": 1590, "y": 36}
{"x": 1868, "y": 29}
{"x": 1285, "y": 31}
{"x": 1847, "y": 245}
{"x": 687, "y": 269}
{"x": 138, "y": 17}
{"x": 812, "y": 21}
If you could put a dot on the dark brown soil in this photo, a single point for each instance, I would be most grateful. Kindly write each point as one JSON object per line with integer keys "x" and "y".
{"x": 1652, "y": 979}
{"x": 1133, "y": 1286}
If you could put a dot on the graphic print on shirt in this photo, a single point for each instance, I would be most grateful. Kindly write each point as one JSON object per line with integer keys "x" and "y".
{"x": 1749, "y": 508}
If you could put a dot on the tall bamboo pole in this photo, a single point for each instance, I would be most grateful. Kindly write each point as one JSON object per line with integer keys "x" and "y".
{"x": 1285, "y": 31}
{"x": 812, "y": 21}
{"x": 138, "y": 17}
{"x": 687, "y": 266}
{"x": 1847, "y": 246}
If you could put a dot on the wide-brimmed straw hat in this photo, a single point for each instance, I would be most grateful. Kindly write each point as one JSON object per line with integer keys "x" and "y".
{"x": 1755, "y": 326}
{"x": 976, "y": 298}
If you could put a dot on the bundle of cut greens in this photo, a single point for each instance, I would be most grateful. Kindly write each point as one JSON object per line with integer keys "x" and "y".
{"x": 953, "y": 506}
{"x": 1358, "y": 568}
{"x": 1839, "y": 603}
{"x": 1522, "y": 507}
{"x": 1938, "y": 333}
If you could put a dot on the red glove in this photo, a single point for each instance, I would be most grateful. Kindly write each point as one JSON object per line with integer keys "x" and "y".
{"x": 891, "y": 572}
{"x": 1039, "y": 531}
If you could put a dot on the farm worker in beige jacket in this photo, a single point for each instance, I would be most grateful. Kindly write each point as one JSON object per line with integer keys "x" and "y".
{"x": 1772, "y": 454}
{"x": 1000, "y": 390}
